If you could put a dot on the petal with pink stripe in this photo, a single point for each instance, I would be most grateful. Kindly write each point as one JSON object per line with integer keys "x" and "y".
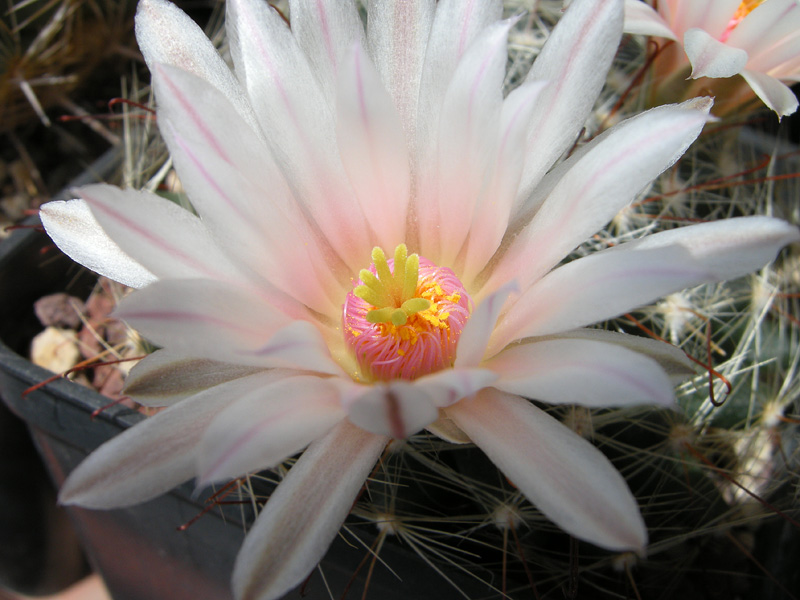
{"x": 297, "y": 123}
{"x": 159, "y": 453}
{"x": 562, "y": 474}
{"x": 166, "y": 239}
{"x": 263, "y": 428}
{"x": 305, "y": 513}
{"x": 578, "y": 371}
{"x": 373, "y": 148}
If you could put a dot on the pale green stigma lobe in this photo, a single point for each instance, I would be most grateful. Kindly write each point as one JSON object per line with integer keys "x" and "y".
{"x": 392, "y": 293}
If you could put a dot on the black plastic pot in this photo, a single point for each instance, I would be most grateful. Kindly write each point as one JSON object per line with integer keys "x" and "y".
{"x": 139, "y": 551}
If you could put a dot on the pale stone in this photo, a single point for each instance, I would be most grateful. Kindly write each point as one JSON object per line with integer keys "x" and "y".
{"x": 55, "y": 349}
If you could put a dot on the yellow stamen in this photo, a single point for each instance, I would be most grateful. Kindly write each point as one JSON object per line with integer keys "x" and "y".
{"x": 745, "y": 8}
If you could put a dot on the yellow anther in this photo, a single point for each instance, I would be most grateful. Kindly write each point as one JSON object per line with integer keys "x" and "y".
{"x": 746, "y": 7}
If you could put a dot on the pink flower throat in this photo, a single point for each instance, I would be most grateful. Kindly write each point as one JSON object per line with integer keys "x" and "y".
{"x": 404, "y": 322}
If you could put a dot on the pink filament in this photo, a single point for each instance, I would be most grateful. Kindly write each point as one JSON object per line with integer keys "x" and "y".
{"x": 417, "y": 348}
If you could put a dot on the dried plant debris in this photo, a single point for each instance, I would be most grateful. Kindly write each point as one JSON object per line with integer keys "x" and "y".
{"x": 60, "y": 310}
{"x": 50, "y": 48}
{"x": 61, "y": 61}
{"x": 82, "y": 334}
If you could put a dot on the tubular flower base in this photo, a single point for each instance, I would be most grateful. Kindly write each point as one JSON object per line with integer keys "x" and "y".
{"x": 328, "y": 147}
{"x": 757, "y": 39}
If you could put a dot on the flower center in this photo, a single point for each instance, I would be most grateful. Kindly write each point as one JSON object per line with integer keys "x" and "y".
{"x": 745, "y": 8}
{"x": 404, "y": 316}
